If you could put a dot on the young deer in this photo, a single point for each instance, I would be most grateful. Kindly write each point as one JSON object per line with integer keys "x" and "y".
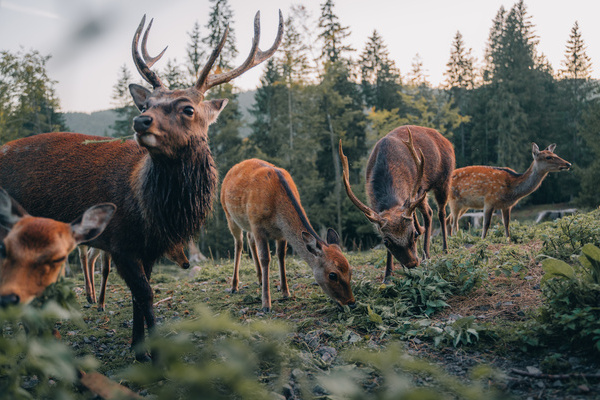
{"x": 263, "y": 200}
{"x": 33, "y": 249}
{"x": 492, "y": 188}
{"x": 163, "y": 182}
{"x": 397, "y": 184}
{"x": 88, "y": 257}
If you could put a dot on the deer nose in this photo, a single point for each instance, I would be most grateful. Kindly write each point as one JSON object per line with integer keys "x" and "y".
{"x": 8, "y": 300}
{"x": 185, "y": 265}
{"x": 141, "y": 123}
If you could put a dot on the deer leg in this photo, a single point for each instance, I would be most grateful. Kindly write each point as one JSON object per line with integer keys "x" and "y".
{"x": 253, "y": 252}
{"x": 281, "y": 249}
{"x": 135, "y": 276}
{"x": 506, "y": 220}
{"x": 82, "y": 250}
{"x": 488, "y": 212}
{"x": 427, "y": 213}
{"x": 92, "y": 257}
{"x": 441, "y": 200}
{"x": 264, "y": 257}
{"x": 389, "y": 267}
{"x": 238, "y": 236}
{"x": 105, "y": 271}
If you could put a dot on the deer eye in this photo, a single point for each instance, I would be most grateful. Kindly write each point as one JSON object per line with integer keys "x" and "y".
{"x": 417, "y": 233}
{"x": 548, "y": 157}
{"x": 188, "y": 110}
{"x": 2, "y": 250}
{"x": 333, "y": 276}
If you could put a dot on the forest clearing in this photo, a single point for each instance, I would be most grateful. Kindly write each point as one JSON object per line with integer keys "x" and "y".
{"x": 478, "y": 321}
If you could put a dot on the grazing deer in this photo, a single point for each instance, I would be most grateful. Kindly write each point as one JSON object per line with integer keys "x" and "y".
{"x": 163, "y": 182}
{"x": 397, "y": 184}
{"x": 491, "y": 188}
{"x": 263, "y": 200}
{"x": 33, "y": 249}
{"x": 88, "y": 257}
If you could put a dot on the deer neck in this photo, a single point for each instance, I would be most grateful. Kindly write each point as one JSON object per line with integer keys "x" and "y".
{"x": 529, "y": 181}
{"x": 292, "y": 232}
{"x": 176, "y": 195}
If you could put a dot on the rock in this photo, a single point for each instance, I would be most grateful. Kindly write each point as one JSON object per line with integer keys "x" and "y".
{"x": 533, "y": 370}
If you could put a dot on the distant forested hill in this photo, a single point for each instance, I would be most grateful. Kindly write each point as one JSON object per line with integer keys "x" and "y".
{"x": 97, "y": 123}
{"x": 100, "y": 122}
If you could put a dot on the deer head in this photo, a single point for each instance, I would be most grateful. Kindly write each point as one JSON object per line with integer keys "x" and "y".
{"x": 171, "y": 119}
{"x": 34, "y": 249}
{"x": 398, "y": 226}
{"x": 547, "y": 161}
{"x": 332, "y": 271}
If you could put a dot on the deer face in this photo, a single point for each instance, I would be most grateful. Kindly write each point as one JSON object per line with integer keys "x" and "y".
{"x": 400, "y": 234}
{"x": 170, "y": 119}
{"x": 34, "y": 249}
{"x": 547, "y": 161}
{"x": 332, "y": 271}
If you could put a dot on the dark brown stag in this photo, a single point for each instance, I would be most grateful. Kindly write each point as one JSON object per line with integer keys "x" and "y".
{"x": 163, "y": 183}
{"x": 404, "y": 165}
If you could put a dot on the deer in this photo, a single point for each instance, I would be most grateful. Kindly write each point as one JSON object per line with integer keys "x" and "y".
{"x": 402, "y": 168}
{"x": 163, "y": 182}
{"x": 263, "y": 200}
{"x": 33, "y": 250}
{"x": 88, "y": 257}
{"x": 491, "y": 188}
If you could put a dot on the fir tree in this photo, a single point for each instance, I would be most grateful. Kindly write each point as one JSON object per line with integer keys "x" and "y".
{"x": 221, "y": 17}
{"x": 195, "y": 53}
{"x": 332, "y": 34}
{"x": 460, "y": 72}
{"x": 123, "y": 101}
{"x": 577, "y": 64}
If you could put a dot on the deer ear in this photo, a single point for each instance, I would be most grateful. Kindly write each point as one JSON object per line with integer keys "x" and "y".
{"x": 93, "y": 222}
{"x": 10, "y": 211}
{"x": 551, "y": 147}
{"x": 535, "y": 150}
{"x": 332, "y": 237}
{"x": 140, "y": 95}
{"x": 214, "y": 109}
{"x": 312, "y": 244}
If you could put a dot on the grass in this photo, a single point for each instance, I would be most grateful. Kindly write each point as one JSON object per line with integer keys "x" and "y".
{"x": 440, "y": 321}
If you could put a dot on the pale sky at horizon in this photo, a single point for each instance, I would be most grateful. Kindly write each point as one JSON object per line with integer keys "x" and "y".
{"x": 87, "y": 66}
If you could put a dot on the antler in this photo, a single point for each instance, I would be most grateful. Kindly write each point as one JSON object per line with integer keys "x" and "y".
{"x": 143, "y": 64}
{"x": 256, "y": 56}
{"x": 369, "y": 213}
{"x": 420, "y": 163}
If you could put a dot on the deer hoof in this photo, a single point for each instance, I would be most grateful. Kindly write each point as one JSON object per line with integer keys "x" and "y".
{"x": 266, "y": 309}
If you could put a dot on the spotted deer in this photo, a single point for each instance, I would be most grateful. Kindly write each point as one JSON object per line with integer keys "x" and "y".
{"x": 491, "y": 188}
{"x": 163, "y": 182}
{"x": 34, "y": 249}
{"x": 88, "y": 257}
{"x": 263, "y": 200}
{"x": 403, "y": 166}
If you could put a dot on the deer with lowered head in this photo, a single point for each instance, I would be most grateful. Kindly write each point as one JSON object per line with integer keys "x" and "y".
{"x": 263, "y": 200}
{"x": 403, "y": 166}
{"x": 490, "y": 188}
{"x": 34, "y": 249}
{"x": 88, "y": 257}
{"x": 163, "y": 182}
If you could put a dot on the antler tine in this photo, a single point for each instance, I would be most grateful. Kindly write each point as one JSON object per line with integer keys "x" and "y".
{"x": 140, "y": 64}
{"x": 420, "y": 163}
{"x": 369, "y": 213}
{"x": 255, "y": 57}
{"x": 201, "y": 84}
{"x": 147, "y": 58}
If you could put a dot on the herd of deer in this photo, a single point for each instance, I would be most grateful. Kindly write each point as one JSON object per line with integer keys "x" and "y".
{"x": 141, "y": 199}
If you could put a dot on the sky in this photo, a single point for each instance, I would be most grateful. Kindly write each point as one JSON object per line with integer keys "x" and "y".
{"x": 90, "y": 40}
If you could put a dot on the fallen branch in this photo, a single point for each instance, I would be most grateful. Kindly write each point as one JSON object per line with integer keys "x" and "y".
{"x": 163, "y": 300}
{"x": 104, "y": 388}
{"x": 555, "y": 376}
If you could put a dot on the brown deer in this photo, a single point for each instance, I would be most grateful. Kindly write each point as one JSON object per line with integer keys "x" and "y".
{"x": 163, "y": 182}
{"x": 34, "y": 249}
{"x": 398, "y": 180}
{"x": 263, "y": 200}
{"x": 88, "y": 257}
{"x": 491, "y": 188}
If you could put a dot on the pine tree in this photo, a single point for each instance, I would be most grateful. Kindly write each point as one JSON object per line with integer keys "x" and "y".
{"x": 380, "y": 79}
{"x": 418, "y": 74}
{"x": 460, "y": 72}
{"x": 28, "y": 103}
{"x": 220, "y": 18}
{"x": 332, "y": 34}
{"x": 195, "y": 53}
{"x": 123, "y": 101}
{"x": 577, "y": 64}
